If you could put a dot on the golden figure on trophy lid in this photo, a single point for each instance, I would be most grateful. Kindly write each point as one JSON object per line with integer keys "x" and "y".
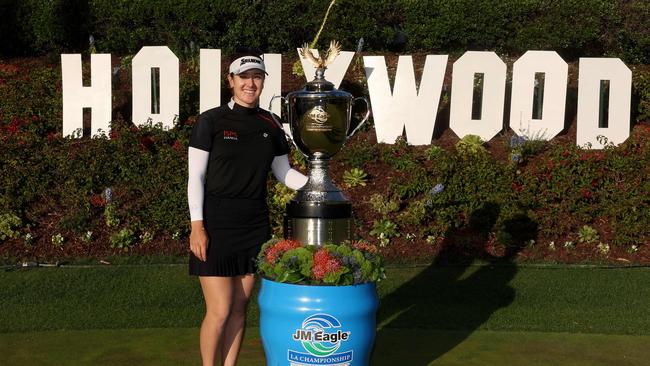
{"x": 321, "y": 62}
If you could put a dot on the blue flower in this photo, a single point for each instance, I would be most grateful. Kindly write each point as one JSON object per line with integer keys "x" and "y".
{"x": 437, "y": 189}
{"x": 515, "y": 158}
{"x": 360, "y": 45}
{"x": 108, "y": 195}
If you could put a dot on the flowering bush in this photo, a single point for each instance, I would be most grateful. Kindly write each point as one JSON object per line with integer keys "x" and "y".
{"x": 349, "y": 263}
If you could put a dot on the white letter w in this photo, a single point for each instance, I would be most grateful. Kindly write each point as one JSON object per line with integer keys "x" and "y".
{"x": 407, "y": 106}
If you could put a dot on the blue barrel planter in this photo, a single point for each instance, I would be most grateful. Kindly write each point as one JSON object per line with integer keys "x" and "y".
{"x": 304, "y": 325}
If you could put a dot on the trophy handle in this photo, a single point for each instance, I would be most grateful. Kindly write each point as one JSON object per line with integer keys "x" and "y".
{"x": 365, "y": 118}
{"x": 278, "y": 122}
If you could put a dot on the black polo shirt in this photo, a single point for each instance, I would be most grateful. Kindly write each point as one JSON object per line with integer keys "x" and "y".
{"x": 242, "y": 143}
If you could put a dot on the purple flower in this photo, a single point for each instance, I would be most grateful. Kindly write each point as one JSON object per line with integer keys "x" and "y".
{"x": 515, "y": 158}
{"x": 517, "y": 141}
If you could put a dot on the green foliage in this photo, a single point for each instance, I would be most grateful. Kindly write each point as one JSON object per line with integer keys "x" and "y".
{"x": 359, "y": 154}
{"x": 516, "y": 230}
{"x": 110, "y": 215}
{"x": 57, "y": 240}
{"x": 278, "y": 197}
{"x": 77, "y": 221}
{"x": 602, "y": 27}
{"x": 399, "y": 155}
{"x": 641, "y": 86}
{"x": 87, "y": 237}
{"x": 588, "y": 235}
{"x": 355, "y": 177}
{"x": 466, "y": 190}
{"x": 410, "y": 184}
{"x": 470, "y": 145}
{"x": 433, "y": 151}
{"x": 384, "y": 230}
{"x": 123, "y": 239}
{"x": 382, "y": 205}
{"x": 8, "y": 225}
{"x": 525, "y": 146}
{"x": 414, "y": 214}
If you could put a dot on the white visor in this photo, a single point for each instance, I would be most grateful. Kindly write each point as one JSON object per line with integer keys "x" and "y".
{"x": 246, "y": 63}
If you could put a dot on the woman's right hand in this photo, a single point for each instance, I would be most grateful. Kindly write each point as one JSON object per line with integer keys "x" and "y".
{"x": 199, "y": 241}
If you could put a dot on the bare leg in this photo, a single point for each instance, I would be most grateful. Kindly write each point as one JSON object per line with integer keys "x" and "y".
{"x": 234, "y": 329}
{"x": 218, "y": 294}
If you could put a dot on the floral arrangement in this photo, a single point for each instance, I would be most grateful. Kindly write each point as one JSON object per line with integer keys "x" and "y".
{"x": 349, "y": 263}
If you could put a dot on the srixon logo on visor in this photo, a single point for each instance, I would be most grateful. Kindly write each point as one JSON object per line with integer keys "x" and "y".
{"x": 247, "y": 60}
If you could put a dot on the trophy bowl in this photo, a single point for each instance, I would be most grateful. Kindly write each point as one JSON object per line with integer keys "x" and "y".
{"x": 319, "y": 118}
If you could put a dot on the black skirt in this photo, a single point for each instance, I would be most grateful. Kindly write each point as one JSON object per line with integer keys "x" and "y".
{"x": 236, "y": 230}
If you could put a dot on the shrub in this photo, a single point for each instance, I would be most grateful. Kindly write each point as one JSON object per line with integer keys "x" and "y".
{"x": 587, "y": 235}
{"x": 8, "y": 225}
{"x": 574, "y": 28}
{"x": 123, "y": 239}
{"x": 278, "y": 197}
{"x": 470, "y": 145}
{"x": 382, "y": 205}
{"x": 355, "y": 177}
{"x": 384, "y": 230}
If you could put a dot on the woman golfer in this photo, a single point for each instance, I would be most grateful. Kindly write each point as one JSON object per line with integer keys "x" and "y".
{"x": 232, "y": 149}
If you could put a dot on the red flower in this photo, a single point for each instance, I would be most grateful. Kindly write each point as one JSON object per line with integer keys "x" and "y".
{"x": 35, "y": 118}
{"x": 97, "y": 200}
{"x": 599, "y": 156}
{"x": 548, "y": 176}
{"x": 594, "y": 183}
{"x": 146, "y": 142}
{"x": 517, "y": 186}
{"x": 278, "y": 249}
{"x": 114, "y": 135}
{"x": 363, "y": 246}
{"x": 177, "y": 146}
{"x": 51, "y": 136}
{"x": 566, "y": 153}
{"x": 324, "y": 264}
{"x": 586, "y": 193}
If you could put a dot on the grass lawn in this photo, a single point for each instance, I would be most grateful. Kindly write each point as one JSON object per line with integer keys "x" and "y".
{"x": 470, "y": 315}
{"x": 178, "y": 346}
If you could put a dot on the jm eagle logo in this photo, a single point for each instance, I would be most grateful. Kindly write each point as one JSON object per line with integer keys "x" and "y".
{"x": 321, "y": 336}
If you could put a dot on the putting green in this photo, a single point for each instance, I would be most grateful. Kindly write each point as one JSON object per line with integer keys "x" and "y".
{"x": 179, "y": 346}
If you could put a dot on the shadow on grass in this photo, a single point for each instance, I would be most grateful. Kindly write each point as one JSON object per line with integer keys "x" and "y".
{"x": 450, "y": 294}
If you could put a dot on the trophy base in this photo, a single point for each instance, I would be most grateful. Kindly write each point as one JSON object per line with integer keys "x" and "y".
{"x": 316, "y": 231}
{"x": 318, "y": 223}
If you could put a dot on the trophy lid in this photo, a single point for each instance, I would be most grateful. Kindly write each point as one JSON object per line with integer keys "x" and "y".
{"x": 319, "y": 84}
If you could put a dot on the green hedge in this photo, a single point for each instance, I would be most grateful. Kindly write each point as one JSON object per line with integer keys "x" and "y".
{"x": 572, "y": 27}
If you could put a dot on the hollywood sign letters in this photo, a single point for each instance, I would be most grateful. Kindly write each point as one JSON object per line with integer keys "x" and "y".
{"x": 404, "y": 107}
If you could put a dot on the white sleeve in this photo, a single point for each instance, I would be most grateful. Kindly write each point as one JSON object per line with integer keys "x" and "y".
{"x": 197, "y": 160}
{"x": 283, "y": 172}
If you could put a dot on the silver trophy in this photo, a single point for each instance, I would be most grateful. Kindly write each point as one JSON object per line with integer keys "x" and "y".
{"x": 319, "y": 117}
